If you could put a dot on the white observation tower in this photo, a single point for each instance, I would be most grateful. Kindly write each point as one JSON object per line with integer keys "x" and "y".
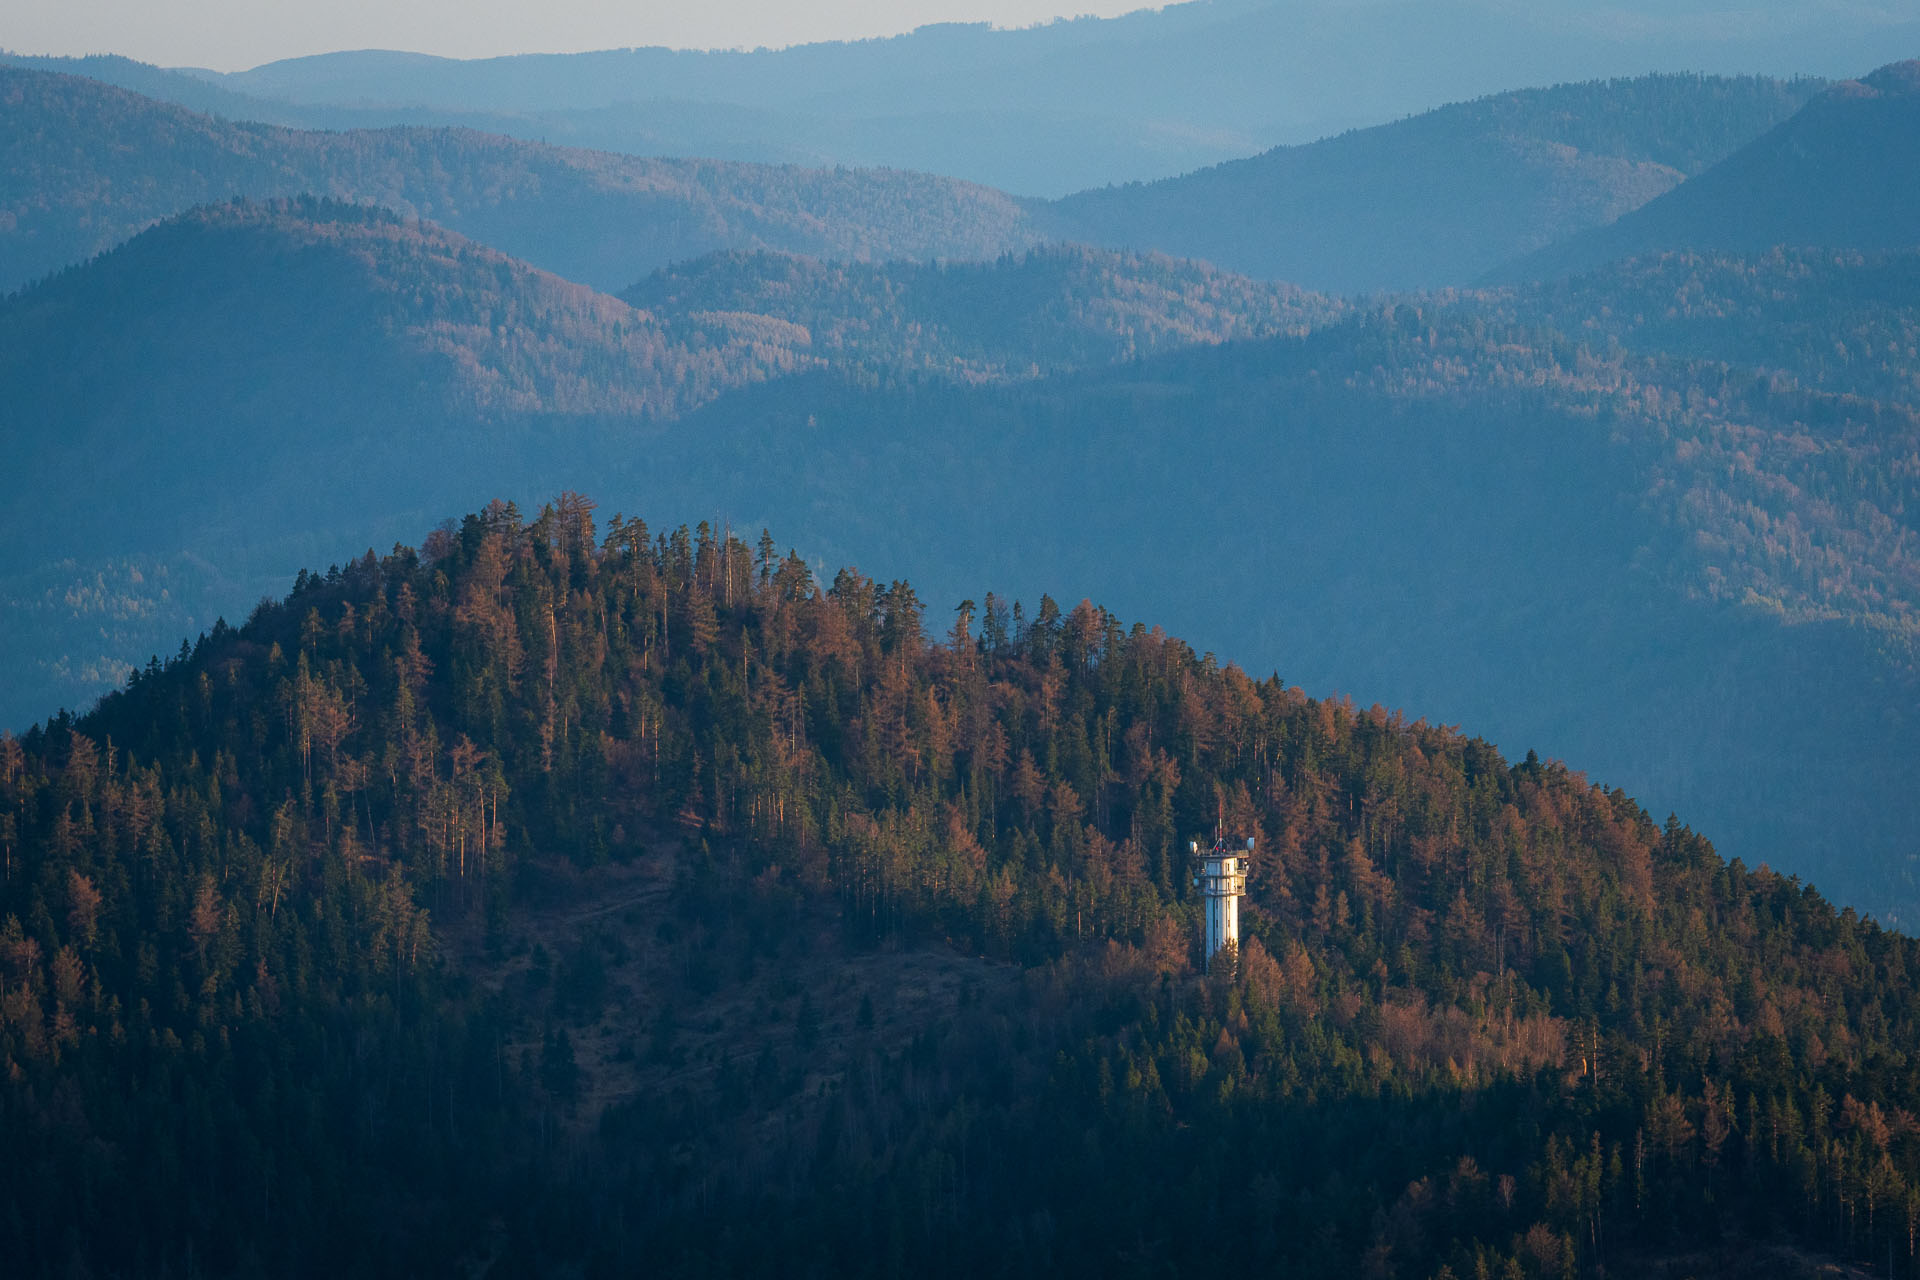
{"x": 1222, "y": 881}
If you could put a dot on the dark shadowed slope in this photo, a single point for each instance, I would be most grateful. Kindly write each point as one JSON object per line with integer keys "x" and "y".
{"x": 1844, "y": 173}
{"x": 1440, "y": 198}
{"x": 84, "y": 165}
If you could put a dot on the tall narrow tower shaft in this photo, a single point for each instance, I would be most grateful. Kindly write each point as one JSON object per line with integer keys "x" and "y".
{"x": 1222, "y": 881}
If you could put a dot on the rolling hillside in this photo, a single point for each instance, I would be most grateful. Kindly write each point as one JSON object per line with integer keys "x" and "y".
{"x": 236, "y": 332}
{"x": 310, "y": 358}
{"x": 1055, "y": 309}
{"x": 1443, "y": 197}
{"x": 84, "y": 165}
{"x": 1840, "y": 174}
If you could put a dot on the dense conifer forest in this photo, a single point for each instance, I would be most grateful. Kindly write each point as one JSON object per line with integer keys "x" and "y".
{"x": 282, "y": 991}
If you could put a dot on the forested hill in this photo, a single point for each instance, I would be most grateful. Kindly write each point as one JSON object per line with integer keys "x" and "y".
{"x": 308, "y": 342}
{"x": 1443, "y": 197}
{"x": 1049, "y": 310}
{"x": 313, "y": 360}
{"x": 541, "y": 898}
{"x": 84, "y": 165}
{"x": 210, "y": 351}
{"x": 1843, "y": 173}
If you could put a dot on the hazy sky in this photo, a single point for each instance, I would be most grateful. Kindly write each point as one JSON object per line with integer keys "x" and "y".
{"x": 230, "y": 35}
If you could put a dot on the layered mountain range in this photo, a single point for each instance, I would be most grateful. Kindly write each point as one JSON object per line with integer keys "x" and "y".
{"x": 84, "y": 165}
{"x": 1446, "y": 196}
{"x": 1440, "y": 199}
{"x": 1603, "y": 490}
{"x": 1147, "y": 95}
{"x": 558, "y": 893}
{"x": 1600, "y": 492}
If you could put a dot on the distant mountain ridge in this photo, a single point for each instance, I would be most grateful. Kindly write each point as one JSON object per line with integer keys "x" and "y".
{"x": 215, "y": 342}
{"x": 84, "y": 165}
{"x": 1443, "y": 197}
{"x": 1433, "y": 200}
{"x": 182, "y": 88}
{"x": 1143, "y": 96}
{"x": 1842, "y": 173}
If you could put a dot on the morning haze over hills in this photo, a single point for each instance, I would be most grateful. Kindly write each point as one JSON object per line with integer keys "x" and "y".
{"x": 88, "y": 165}
{"x": 1148, "y": 95}
{"x": 1436, "y": 200}
{"x": 529, "y": 897}
{"x": 1443, "y": 197}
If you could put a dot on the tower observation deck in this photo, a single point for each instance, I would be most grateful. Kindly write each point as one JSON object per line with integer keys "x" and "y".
{"x": 1221, "y": 877}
